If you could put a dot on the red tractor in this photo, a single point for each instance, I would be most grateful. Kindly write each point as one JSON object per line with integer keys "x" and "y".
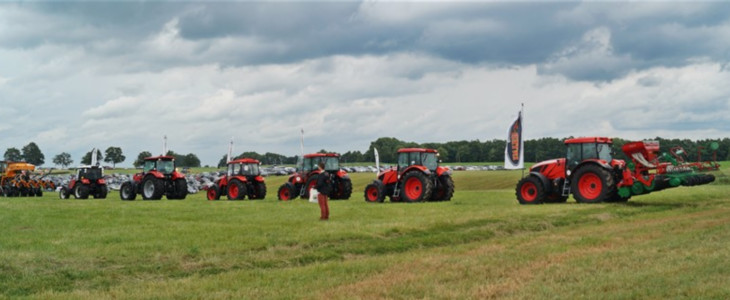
{"x": 418, "y": 177}
{"x": 592, "y": 175}
{"x": 158, "y": 178}
{"x": 305, "y": 178}
{"x": 243, "y": 178}
{"x": 89, "y": 180}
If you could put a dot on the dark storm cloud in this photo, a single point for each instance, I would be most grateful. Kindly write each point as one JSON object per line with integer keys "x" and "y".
{"x": 550, "y": 35}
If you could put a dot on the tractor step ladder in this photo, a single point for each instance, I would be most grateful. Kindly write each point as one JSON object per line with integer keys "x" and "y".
{"x": 566, "y": 188}
{"x": 396, "y": 190}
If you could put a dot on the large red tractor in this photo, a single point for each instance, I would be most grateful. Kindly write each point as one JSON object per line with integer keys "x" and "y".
{"x": 418, "y": 177}
{"x": 243, "y": 179}
{"x": 305, "y": 178}
{"x": 592, "y": 175}
{"x": 89, "y": 180}
{"x": 159, "y": 177}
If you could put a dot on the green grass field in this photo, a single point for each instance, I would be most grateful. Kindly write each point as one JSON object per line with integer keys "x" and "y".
{"x": 482, "y": 244}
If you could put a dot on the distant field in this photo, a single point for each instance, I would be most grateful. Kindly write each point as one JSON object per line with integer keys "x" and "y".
{"x": 482, "y": 244}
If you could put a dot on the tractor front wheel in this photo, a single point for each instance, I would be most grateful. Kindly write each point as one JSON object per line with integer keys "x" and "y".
{"x": 311, "y": 183}
{"x": 152, "y": 189}
{"x": 445, "y": 189}
{"x": 213, "y": 193}
{"x": 126, "y": 191}
{"x": 530, "y": 191}
{"x": 375, "y": 192}
{"x": 259, "y": 190}
{"x": 344, "y": 189}
{"x": 286, "y": 192}
{"x": 180, "y": 189}
{"x": 63, "y": 193}
{"x": 593, "y": 184}
{"x": 236, "y": 190}
{"x": 416, "y": 187}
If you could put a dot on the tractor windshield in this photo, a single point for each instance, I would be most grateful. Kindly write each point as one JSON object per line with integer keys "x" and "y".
{"x": 148, "y": 165}
{"x": 250, "y": 169}
{"x": 331, "y": 163}
{"x": 430, "y": 161}
{"x": 580, "y": 152}
{"x": 307, "y": 165}
{"x": 165, "y": 166}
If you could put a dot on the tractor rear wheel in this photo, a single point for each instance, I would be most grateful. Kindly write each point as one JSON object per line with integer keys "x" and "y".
{"x": 259, "y": 190}
{"x": 213, "y": 193}
{"x": 593, "y": 184}
{"x": 236, "y": 190}
{"x": 375, "y": 192}
{"x": 126, "y": 191}
{"x": 101, "y": 194}
{"x": 286, "y": 192}
{"x": 416, "y": 187}
{"x": 530, "y": 191}
{"x": 445, "y": 189}
{"x": 152, "y": 188}
{"x": 81, "y": 191}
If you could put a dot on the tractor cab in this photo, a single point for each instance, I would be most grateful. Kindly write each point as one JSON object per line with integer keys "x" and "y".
{"x": 245, "y": 167}
{"x": 91, "y": 173}
{"x": 162, "y": 164}
{"x": 583, "y": 149}
{"x": 311, "y": 161}
{"x": 417, "y": 157}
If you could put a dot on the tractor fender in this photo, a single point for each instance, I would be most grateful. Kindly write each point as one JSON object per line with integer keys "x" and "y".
{"x": 417, "y": 167}
{"x": 177, "y": 175}
{"x": 544, "y": 180}
{"x": 388, "y": 176}
{"x": 598, "y": 162}
{"x": 155, "y": 173}
{"x": 239, "y": 178}
{"x": 259, "y": 178}
{"x": 440, "y": 171}
{"x": 342, "y": 174}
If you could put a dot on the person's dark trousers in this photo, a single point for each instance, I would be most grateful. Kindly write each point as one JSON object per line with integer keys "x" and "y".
{"x": 323, "y": 207}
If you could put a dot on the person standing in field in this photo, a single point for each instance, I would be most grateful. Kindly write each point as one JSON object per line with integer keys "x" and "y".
{"x": 324, "y": 187}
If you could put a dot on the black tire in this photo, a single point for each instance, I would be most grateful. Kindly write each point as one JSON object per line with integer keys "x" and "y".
{"x": 126, "y": 191}
{"x": 445, "y": 189}
{"x": 286, "y": 192}
{"x": 236, "y": 190}
{"x": 180, "y": 190}
{"x": 63, "y": 193}
{"x": 375, "y": 192}
{"x": 213, "y": 193}
{"x": 416, "y": 187}
{"x": 344, "y": 189}
{"x": 530, "y": 191}
{"x": 310, "y": 183}
{"x": 101, "y": 194}
{"x": 23, "y": 191}
{"x": 81, "y": 191}
{"x": 259, "y": 191}
{"x": 39, "y": 192}
{"x": 152, "y": 188}
{"x": 592, "y": 184}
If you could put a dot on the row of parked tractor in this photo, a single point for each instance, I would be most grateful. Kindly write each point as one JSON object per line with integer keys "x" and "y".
{"x": 588, "y": 172}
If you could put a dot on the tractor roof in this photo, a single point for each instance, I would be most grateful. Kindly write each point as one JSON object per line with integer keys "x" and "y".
{"x": 161, "y": 157}
{"x": 312, "y": 155}
{"x": 243, "y": 161}
{"x": 404, "y": 150}
{"x": 584, "y": 140}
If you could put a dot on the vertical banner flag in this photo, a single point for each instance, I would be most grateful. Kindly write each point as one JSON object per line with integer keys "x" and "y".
{"x": 514, "y": 151}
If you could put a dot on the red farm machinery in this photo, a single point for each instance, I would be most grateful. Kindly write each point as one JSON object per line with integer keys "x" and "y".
{"x": 89, "y": 181}
{"x": 418, "y": 177}
{"x": 592, "y": 175}
{"x": 242, "y": 179}
{"x": 159, "y": 177}
{"x": 305, "y": 178}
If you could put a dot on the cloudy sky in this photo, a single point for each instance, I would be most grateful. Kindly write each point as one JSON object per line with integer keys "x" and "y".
{"x": 77, "y": 75}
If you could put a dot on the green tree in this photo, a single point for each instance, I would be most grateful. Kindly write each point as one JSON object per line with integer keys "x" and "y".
{"x": 140, "y": 158}
{"x": 86, "y": 160}
{"x": 13, "y": 154}
{"x": 114, "y": 155}
{"x": 32, "y": 154}
{"x": 63, "y": 159}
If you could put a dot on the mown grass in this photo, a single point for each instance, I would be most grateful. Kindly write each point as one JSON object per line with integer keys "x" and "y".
{"x": 482, "y": 244}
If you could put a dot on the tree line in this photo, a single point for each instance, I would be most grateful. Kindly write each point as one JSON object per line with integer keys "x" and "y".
{"x": 450, "y": 152}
